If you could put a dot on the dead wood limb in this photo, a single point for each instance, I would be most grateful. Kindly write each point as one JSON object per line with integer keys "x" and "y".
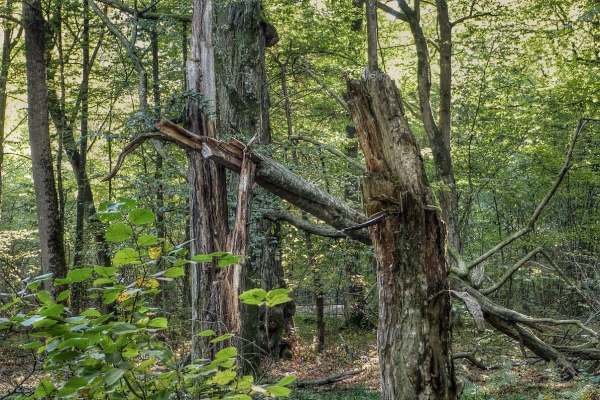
{"x": 130, "y": 148}
{"x": 510, "y": 323}
{"x": 511, "y": 271}
{"x": 559, "y": 271}
{"x": 298, "y": 222}
{"x": 330, "y": 149}
{"x": 272, "y": 176}
{"x": 329, "y": 380}
{"x": 471, "y": 358}
{"x": 541, "y": 206}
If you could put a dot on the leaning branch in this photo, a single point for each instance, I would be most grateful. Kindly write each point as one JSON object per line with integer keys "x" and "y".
{"x": 511, "y": 271}
{"x": 534, "y": 217}
{"x": 329, "y": 380}
{"x": 331, "y": 150}
{"x": 144, "y": 14}
{"x": 314, "y": 229}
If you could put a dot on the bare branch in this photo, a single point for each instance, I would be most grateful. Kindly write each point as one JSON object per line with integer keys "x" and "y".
{"x": 146, "y": 15}
{"x": 511, "y": 271}
{"x": 333, "y": 94}
{"x": 331, "y": 150}
{"x": 392, "y": 12}
{"x": 298, "y": 222}
{"x": 534, "y": 217}
{"x": 130, "y": 148}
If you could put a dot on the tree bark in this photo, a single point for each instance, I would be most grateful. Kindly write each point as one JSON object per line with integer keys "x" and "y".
{"x": 414, "y": 335}
{"x": 208, "y": 198}
{"x": 51, "y": 234}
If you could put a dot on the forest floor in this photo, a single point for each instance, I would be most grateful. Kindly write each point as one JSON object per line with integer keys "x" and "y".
{"x": 510, "y": 376}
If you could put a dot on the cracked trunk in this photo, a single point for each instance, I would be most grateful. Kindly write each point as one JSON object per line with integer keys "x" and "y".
{"x": 414, "y": 335}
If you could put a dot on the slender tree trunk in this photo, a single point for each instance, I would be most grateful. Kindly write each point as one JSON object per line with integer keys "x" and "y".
{"x": 51, "y": 234}
{"x": 9, "y": 41}
{"x": 414, "y": 335}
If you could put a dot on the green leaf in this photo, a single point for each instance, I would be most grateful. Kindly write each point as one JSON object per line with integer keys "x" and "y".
{"x": 32, "y": 345}
{"x": 174, "y": 272}
{"x": 79, "y": 274}
{"x": 110, "y": 296}
{"x": 63, "y": 295}
{"x": 112, "y": 375}
{"x": 62, "y": 281}
{"x": 118, "y": 232}
{"x": 65, "y": 355}
{"x": 45, "y": 388}
{"x": 129, "y": 352}
{"x": 147, "y": 240}
{"x": 229, "y": 259}
{"x": 158, "y": 323}
{"x": 253, "y": 296}
{"x": 34, "y": 285}
{"x": 44, "y": 323}
{"x": 141, "y": 216}
{"x": 102, "y": 281}
{"x": 227, "y": 352}
{"x": 223, "y": 377}
{"x": 208, "y": 332}
{"x": 91, "y": 313}
{"x": 202, "y": 258}
{"x": 222, "y": 338}
{"x": 120, "y": 328}
{"x": 106, "y": 272}
{"x": 126, "y": 256}
{"x": 53, "y": 311}
{"x": 72, "y": 385}
{"x": 29, "y": 321}
{"x": 44, "y": 296}
{"x": 277, "y": 296}
{"x": 109, "y": 216}
{"x": 77, "y": 342}
{"x": 286, "y": 380}
{"x": 279, "y": 391}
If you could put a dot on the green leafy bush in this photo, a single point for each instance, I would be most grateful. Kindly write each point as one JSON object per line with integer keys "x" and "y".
{"x": 122, "y": 354}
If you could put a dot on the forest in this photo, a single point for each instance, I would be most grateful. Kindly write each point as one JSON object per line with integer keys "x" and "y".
{"x": 306, "y": 199}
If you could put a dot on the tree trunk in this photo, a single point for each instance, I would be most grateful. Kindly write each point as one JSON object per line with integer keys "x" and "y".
{"x": 414, "y": 335}
{"x": 51, "y": 234}
{"x": 9, "y": 41}
{"x": 208, "y": 198}
{"x": 243, "y": 104}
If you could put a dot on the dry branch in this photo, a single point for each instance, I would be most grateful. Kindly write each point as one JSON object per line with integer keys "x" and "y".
{"x": 329, "y": 380}
{"x": 272, "y": 176}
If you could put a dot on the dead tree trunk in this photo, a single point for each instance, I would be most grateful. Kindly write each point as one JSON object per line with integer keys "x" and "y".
{"x": 409, "y": 238}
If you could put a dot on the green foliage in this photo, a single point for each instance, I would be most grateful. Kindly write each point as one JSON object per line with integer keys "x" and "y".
{"x": 121, "y": 354}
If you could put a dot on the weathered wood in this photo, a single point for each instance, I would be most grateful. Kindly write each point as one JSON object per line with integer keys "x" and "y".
{"x": 414, "y": 335}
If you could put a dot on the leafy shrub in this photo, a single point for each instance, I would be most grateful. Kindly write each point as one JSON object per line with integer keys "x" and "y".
{"x": 122, "y": 354}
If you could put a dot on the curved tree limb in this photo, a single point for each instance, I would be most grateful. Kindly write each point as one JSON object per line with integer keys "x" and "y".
{"x": 534, "y": 217}
{"x": 511, "y": 271}
{"x": 331, "y": 150}
{"x": 144, "y": 14}
{"x": 329, "y": 380}
{"x": 298, "y": 222}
